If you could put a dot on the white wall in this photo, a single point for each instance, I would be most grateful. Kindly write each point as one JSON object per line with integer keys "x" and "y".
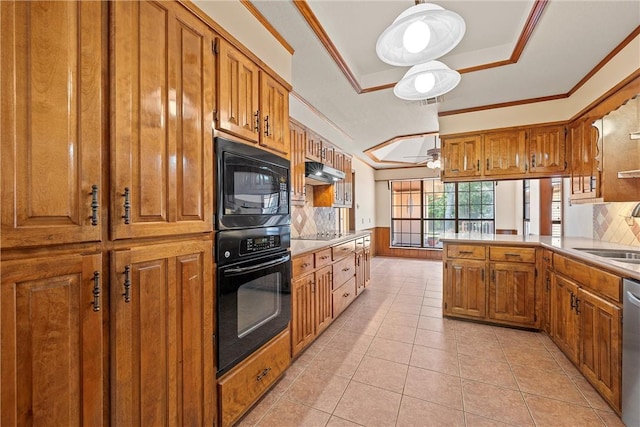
{"x": 534, "y": 216}
{"x": 364, "y": 199}
{"x": 577, "y": 220}
{"x": 509, "y": 205}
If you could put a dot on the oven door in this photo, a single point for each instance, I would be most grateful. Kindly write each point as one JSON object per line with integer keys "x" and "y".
{"x": 254, "y": 305}
{"x": 253, "y": 187}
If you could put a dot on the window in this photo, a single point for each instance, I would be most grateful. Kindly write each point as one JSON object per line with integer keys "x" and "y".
{"x": 556, "y": 207}
{"x": 421, "y": 210}
{"x": 526, "y": 211}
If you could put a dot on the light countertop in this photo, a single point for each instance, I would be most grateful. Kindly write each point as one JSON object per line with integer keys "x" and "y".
{"x": 299, "y": 247}
{"x": 562, "y": 245}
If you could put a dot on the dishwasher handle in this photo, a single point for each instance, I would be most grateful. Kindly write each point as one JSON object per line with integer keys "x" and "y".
{"x": 633, "y": 299}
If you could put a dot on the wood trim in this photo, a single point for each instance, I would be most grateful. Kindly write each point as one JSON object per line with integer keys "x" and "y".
{"x": 221, "y": 32}
{"x": 310, "y": 17}
{"x": 382, "y": 238}
{"x": 532, "y": 22}
{"x": 502, "y": 105}
{"x": 613, "y": 98}
{"x": 260, "y": 17}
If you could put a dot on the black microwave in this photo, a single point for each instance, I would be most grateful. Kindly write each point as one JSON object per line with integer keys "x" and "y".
{"x": 252, "y": 187}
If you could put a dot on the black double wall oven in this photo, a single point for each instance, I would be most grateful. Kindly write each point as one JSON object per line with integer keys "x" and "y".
{"x": 253, "y": 274}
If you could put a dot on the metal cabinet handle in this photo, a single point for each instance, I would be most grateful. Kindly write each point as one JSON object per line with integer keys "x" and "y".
{"x": 512, "y": 255}
{"x": 257, "y": 117}
{"x": 305, "y": 265}
{"x": 573, "y": 301}
{"x": 346, "y": 269}
{"x": 487, "y": 164}
{"x": 94, "y": 205}
{"x": 266, "y": 127}
{"x": 96, "y": 291}
{"x": 346, "y": 294}
{"x": 533, "y": 160}
{"x": 477, "y": 166}
{"x": 577, "y": 305}
{"x": 263, "y": 374}
{"x": 127, "y": 205}
{"x": 465, "y": 252}
{"x": 127, "y": 284}
{"x": 324, "y": 257}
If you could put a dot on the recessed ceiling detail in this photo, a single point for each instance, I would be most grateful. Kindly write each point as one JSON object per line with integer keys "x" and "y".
{"x": 407, "y": 149}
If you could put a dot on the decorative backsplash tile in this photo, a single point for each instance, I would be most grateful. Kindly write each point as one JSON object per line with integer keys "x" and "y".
{"x": 308, "y": 219}
{"x": 612, "y": 223}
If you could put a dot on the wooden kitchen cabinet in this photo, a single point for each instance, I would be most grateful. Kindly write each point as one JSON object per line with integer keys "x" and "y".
{"x": 52, "y": 122}
{"x": 564, "y": 322}
{"x": 51, "y": 335}
{"x": 313, "y": 147}
{"x": 547, "y": 153}
{"x": 582, "y": 140}
{"x": 239, "y": 82}
{"x": 161, "y": 123}
{"x": 461, "y": 156}
{"x": 360, "y": 271}
{"x": 311, "y": 299}
{"x": 298, "y": 147}
{"x": 512, "y": 296}
{"x": 465, "y": 289}
{"x": 367, "y": 261}
{"x": 547, "y": 283}
{"x": 274, "y": 109}
{"x": 348, "y": 181}
{"x": 600, "y": 344}
{"x": 162, "y": 324}
{"x": 505, "y": 153}
{"x": 328, "y": 152}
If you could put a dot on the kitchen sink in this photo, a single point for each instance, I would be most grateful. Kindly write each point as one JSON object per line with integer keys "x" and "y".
{"x": 622, "y": 255}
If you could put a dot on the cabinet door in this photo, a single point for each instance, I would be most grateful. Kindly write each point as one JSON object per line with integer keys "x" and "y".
{"x": 547, "y": 284}
{"x": 583, "y": 137}
{"x": 338, "y": 186}
{"x": 359, "y": 271}
{"x": 52, "y": 122}
{"x": 162, "y": 300}
{"x": 512, "y": 293}
{"x": 161, "y": 133}
{"x": 547, "y": 149}
{"x": 298, "y": 147}
{"x": 564, "y": 320}
{"x": 238, "y": 110}
{"x": 314, "y": 147}
{"x": 367, "y": 266}
{"x": 328, "y": 154}
{"x": 505, "y": 153}
{"x": 465, "y": 290}
{"x": 461, "y": 156}
{"x": 600, "y": 349}
{"x": 51, "y": 342}
{"x": 348, "y": 182}
{"x": 303, "y": 313}
{"x": 323, "y": 298}
{"x": 274, "y": 108}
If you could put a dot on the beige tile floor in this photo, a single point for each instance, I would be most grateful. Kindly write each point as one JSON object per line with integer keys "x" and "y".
{"x": 391, "y": 360}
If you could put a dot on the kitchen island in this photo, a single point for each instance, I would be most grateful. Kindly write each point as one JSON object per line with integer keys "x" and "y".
{"x": 555, "y": 284}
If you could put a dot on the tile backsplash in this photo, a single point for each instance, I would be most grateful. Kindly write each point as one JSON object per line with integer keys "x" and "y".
{"x": 308, "y": 219}
{"x": 612, "y": 223}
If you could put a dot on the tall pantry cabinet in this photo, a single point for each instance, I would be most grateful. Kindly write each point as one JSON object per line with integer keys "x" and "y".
{"x": 107, "y": 214}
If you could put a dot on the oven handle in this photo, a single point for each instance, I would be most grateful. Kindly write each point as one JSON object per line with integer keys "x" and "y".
{"x": 243, "y": 270}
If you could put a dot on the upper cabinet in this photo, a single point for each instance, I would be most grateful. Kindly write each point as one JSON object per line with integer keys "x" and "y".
{"x": 52, "y": 122}
{"x": 238, "y": 90}
{"x": 505, "y": 153}
{"x": 161, "y": 121}
{"x": 547, "y": 150}
{"x": 461, "y": 157}
{"x": 515, "y": 153}
{"x": 298, "y": 148}
{"x": 251, "y": 104}
{"x": 582, "y": 140}
{"x": 313, "y": 147}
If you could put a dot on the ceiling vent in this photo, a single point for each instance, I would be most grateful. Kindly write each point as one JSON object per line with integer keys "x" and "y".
{"x": 430, "y": 101}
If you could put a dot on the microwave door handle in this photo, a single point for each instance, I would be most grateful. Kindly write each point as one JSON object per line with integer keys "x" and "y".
{"x": 243, "y": 270}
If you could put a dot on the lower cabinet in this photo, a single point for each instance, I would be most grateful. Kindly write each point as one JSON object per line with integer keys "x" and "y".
{"x": 51, "y": 335}
{"x": 241, "y": 387}
{"x": 360, "y": 279}
{"x": 464, "y": 288}
{"x": 512, "y": 292}
{"x": 311, "y": 307}
{"x": 564, "y": 322}
{"x": 162, "y": 363}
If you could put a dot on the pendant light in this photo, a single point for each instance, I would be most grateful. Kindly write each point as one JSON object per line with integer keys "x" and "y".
{"x": 424, "y": 81}
{"x": 421, "y": 33}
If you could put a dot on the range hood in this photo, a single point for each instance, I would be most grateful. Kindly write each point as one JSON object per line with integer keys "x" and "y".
{"x": 317, "y": 173}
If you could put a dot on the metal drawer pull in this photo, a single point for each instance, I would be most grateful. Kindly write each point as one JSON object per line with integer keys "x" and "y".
{"x": 305, "y": 265}
{"x": 324, "y": 257}
{"x": 263, "y": 374}
{"x": 346, "y": 269}
{"x": 465, "y": 252}
{"x": 94, "y": 205}
{"x": 573, "y": 301}
{"x": 346, "y": 294}
{"x": 513, "y": 255}
{"x": 96, "y": 291}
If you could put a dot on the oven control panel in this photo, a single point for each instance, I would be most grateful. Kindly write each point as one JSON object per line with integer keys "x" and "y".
{"x": 259, "y": 244}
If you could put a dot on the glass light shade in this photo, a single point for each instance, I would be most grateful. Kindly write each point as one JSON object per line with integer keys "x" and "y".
{"x": 405, "y": 42}
{"x": 413, "y": 84}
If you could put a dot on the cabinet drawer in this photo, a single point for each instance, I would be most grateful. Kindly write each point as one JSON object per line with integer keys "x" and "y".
{"x": 466, "y": 251}
{"x": 323, "y": 257}
{"x": 359, "y": 244}
{"x": 599, "y": 281}
{"x": 342, "y": 250}
{"x": 343, "y": 296}
{"x": 512, "y": 254}
{"x": 241, "y": 387}
{"x": 547, "y": 257}
{"x": 343, "y": 270}
{"x": 367, "y": 241}
{"x": 302, "y": 264}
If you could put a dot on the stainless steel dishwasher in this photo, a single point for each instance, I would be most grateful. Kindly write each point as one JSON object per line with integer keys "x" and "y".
{"x": 631, "y": 353}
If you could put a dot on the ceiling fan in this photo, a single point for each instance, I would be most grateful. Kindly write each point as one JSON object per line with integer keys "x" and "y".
{"x": 432, "y": 157}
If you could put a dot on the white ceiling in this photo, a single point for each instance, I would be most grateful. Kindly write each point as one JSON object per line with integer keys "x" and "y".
{"x": 569, "y": 40}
